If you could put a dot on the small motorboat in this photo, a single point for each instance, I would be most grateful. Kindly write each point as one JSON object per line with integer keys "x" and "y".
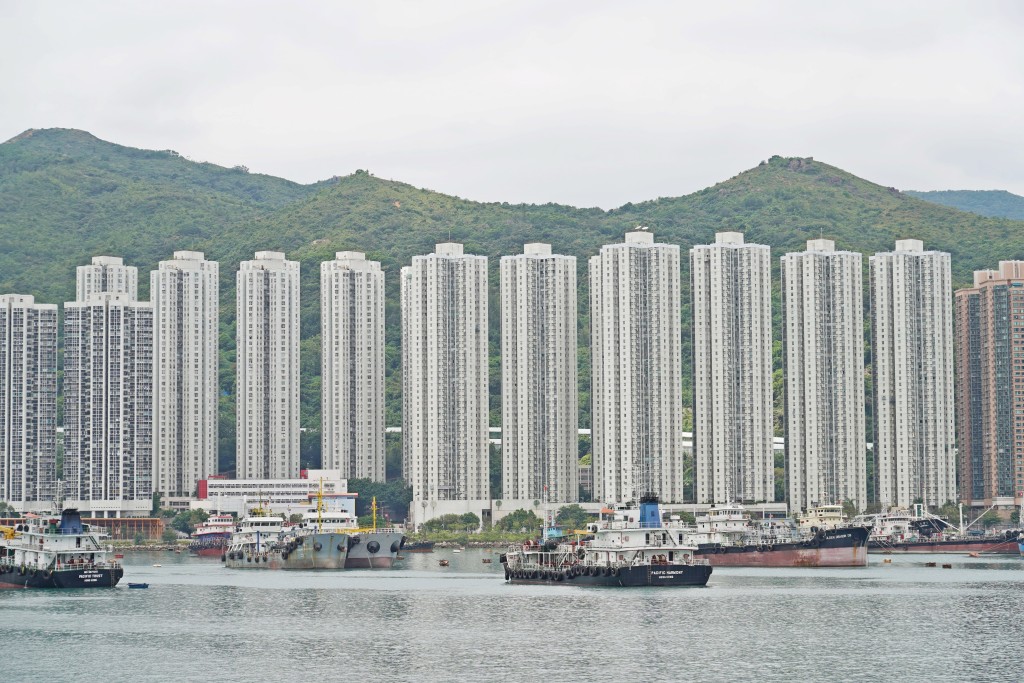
{"x": 457, "y": 550}
{"x": 138, "y": 585}
{"x": 488, "y": 560}
{"x": 443, "y": 563}
{"x": 973, "y": 554}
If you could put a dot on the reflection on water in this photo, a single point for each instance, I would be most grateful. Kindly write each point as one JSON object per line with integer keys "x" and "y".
{"x": 422, "y": 622}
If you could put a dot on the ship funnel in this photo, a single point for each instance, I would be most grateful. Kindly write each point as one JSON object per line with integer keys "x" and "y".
{"x": 70, "y": 521}
{"x": 650, "y": 517}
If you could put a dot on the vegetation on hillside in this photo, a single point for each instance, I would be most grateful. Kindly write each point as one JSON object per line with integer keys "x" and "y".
{"x": 995, "y": 203}
{"x": 66, "y": 196}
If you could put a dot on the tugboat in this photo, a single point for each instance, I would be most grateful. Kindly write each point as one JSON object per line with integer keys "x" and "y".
{"x": 619, "y": 553}
{"x": 52, "y": 552}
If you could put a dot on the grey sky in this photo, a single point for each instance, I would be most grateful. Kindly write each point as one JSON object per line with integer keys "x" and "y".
{"x": 585, "y": 103}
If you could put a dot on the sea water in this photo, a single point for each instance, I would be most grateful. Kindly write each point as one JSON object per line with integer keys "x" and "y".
{"x": 199, "y": 621}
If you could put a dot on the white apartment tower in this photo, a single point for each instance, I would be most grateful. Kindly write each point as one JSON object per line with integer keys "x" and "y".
{"x": 444, "y": 378}
{"x": 912, "y": 358}
{"x": 731, "y": 285}
{"x": 108, "y": 397}
{"x": 352, "y": 340}
{"x": 823, "y": 357}
{"x": 539, "y": 394}
{"x": 635, "y": 299}
{"x": 185, "y": 297}
{"x": 268, "y": 368}
{"x": 106, "y": 274}
{"x": 28, "y": 403}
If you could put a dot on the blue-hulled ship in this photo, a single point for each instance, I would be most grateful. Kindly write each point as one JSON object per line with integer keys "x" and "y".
{"x": 56, "y": 552}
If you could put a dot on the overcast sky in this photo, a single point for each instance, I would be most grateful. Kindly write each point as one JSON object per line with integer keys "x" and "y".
{"x": 587, "y": 103}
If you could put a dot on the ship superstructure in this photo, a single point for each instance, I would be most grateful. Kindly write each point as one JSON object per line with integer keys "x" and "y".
{"x": 52, "y": 551}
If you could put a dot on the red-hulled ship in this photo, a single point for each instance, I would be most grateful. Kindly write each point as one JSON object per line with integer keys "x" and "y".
{"x": 917, "y": 531}
{"x": 211, "y": 537}
{"x": 727, "y": 537}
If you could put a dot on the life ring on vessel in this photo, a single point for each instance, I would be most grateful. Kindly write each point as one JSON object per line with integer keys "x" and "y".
{"x": 626, "y": 539}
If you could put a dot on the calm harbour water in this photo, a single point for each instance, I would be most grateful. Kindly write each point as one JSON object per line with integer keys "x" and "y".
{"x": 199, "y": 621}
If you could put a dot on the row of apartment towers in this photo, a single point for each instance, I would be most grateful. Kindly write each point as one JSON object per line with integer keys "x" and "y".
{"x": 140, "y": 382}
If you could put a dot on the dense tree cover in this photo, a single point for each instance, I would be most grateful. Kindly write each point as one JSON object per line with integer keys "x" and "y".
{"x": 519, "y": 521}
{"x": 995, "y": 203}
{"x": 393, "y": 498}
{"x": 7, "y": 511}
{"x": 573, "y": 517}
{"x": 186, "y": 521}
{"x": 66, "y": 196}
{"x": 463, "y": 522}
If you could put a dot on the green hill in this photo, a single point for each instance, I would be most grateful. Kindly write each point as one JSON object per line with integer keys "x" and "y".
{"x": 995, "y": 203}
{"x": 66, "y": 196}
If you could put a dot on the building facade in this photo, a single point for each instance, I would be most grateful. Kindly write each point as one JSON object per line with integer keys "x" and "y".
{"x": 28, "y": 403}
{"x": 731, "y": 286}
{"x": 268, "y": 368}
{"x": 636, "y": 371}
{"x": 823, "y": 370}
{"x": 186, "y": 333}
{"x": 108, "y": 405}
{"x": 990, "y": 387}
{"x": 352, "y": 342}
{"x": 539, "y": 394}
{"x": 445, "y": 380}
{"x": 912, "y": 360}
{"x": 106, "y": 274}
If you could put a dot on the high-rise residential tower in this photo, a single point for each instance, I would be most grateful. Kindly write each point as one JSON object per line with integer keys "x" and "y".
{"x": 108, "y": 396}
{"x": 444, "y": 379}
{"x": 28, "y": 403}
{"x": 636, "y": 357}
{"x": 731, "y": 286}
{"x": 107, "y": 274}
{"x": 823, "y": 367}
{"x": 352, "y": 341}
{"x": 268, "y": 368}
{"x": 990, "y": 387}
{"x": 184, "y": 292}
{"x": 912, "y": 362}
{"x": 539, "y": 395}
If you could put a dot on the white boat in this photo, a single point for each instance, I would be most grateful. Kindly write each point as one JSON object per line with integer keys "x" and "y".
{"x": 253, "y": 538}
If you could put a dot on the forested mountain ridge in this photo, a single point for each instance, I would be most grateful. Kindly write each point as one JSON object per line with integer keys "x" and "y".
{"x": 995, "y": 203}
{"x": 66, "y": 196}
